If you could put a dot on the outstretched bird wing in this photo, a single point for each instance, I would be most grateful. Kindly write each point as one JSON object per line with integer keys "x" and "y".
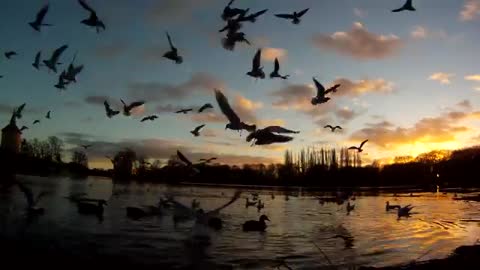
{"x": 57, "y": 53}
{"x": 225, "y": 107}
{"x": 278, "y": 129}
{"x": 135, "y": 104}
{"x": 37, "y": 57}
{"x": 361, "y": 145}
{"x": 328, "y": 126}
{"x": 277, "y": 66}
{"x": 332, "y": 89}
{"x": 170, "y": 41}
{"x": 284, "y": 16}
{"x": 339, "y": 127}
{"x": 301, "y": 13}
{"x": 320, "y": 88}
{"x": 204, "y": 107}
{"x": 235, "y": 197}
{"x": 41, "y": 14}
{"x": 18, "y": 112}
{"x": 183, "y": 158}
{"x": 353, "y": 147}
{"x": 107, "y": 106}
{"x": 85, "y": 6}
{"x": 28, "y": 194}
{"x": 197, "y": 129}
{"x": 252, "y": 16}
{"x": 256, "y": 59}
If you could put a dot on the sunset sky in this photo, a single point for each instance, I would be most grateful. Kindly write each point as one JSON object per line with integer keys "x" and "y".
{"x": 410, "y": 80}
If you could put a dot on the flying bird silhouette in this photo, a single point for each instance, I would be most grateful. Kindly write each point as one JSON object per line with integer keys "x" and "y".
{"x": 233, "y": 25}
{"x": 36, "y": 63}
{"x": 128, "y": 108}
{"x": 407, "y": 6}
{"x": 38, "y": 23}
{"x": 232, "y": 38}
{"x": 53, "y": 61}
{"x": 295, "y": 17}
{"x": 149, "y": 118}
{"x": 186, "y": 161}
{"x": 321, "y": 92}
{"x": 48, "y": 115}
{"x": 73, "y": 71}
{"x": 173, "y": 53}
{"x": 234, "y": 121}
{"x": 9, "y": 54}
{"x": 62, "y": 83}
{"x": 93, "y": 20}
{"x": 109, "y": 111}
{"x": 196, "y": 131}
{"x": 205, "y": 106}
{"x": 359, "y": 149}
{"x": 252, "y": 17}
{"x": 184, "y": 111}
{"x": 270, "y": 135}
{"x": 86, "y": 146}
{"x": 24, "y": 128}
{"x": 275, "y": 73}
{"x": 32, "y": 202}
{"x": 257, "y": 69}
{"x": 36, "y": 122}
{"x": 404, "y": 211}
{"x": 18, "y": 111}
{"x": 207, "y": 160}
{"x": 332, "y": 128}
{"x": 229, "y": 12}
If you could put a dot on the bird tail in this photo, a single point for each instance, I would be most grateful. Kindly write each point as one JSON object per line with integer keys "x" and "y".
{"x": 47, "y": 24}
{"x": 228, "y": 44}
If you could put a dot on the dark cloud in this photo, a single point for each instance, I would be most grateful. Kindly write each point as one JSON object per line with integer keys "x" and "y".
{"x": 361, "y": 87}
{"x": 110, "y": 51}
{"x": 8, "y": 109}
{"x": 466, "y": 104}
{"x": 359, "y": 43}
{"x": 176, "y": 11}
{"x": 346, "y": 114}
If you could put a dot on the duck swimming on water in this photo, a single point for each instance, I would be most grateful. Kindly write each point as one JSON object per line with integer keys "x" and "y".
{"x": 88, "y": 208}
{"x": 254, "y": 225}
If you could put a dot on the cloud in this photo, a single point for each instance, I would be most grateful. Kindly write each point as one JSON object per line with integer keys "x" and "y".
{"x": 361, "y": 87}
{"x": 443, "y": 78}
{"x": 421, "y": 32}
{"x": 359, "y": 12}
{"x": 270, "y": 54}
{"x": 200, "y": 82}
{"x": 175, "y": 11}
{"x": 209, "y": 117}
{"x": 465, "y": 104}
{"x": 295, "y": 96}
{"x": 8, "y": 109}
{"x": 345, "y": 113}
{"x": 110, "y": 51}
{"x": 359, "y": 43}
{"x": 470, "y": 11}
{"x": 474, "y": 77}
{"x": 209, "y": 133}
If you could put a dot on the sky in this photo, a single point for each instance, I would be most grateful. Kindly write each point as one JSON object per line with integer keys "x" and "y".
{"x": 410, "y": 81}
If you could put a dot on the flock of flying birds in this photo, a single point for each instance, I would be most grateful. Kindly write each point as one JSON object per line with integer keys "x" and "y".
{"x": 234, "y": 17}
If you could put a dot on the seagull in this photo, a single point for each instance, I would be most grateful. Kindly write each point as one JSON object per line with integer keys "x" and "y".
{"x": 36, "y": 122}
{"x": 257, "y": 70}
{"x": 36, "y": 63}
{"x": 404, "y": 211}
{"x": 359, "y": 149}
{"x": 61, "y": 81}
{"x": 207, "y": 160}
{"x": 53, "y": 61}
{"x": 229, "y": 12}
{"x": 73, "y": 71}
{"x": 295, "y": 17}
{"x": 252, "y": 17}
{"x": 32, "y": 202}
{"x": 127, "y": 109}
{"x": 234, "y": 121}
{"x": 24, "y": 128}
{"x": 93, "y": 20}
{"x": 86, "y": 146}
{"x": 196, "y": 131}
{"x": 268, "y": 135}
{"x": 110, "y": 112}
{"x": 232, "y": 38}
{"x": 275, "y": 73}
{"x": 48, "y": 115}
{"x": 173, "y": 53}
{"x": 9, "y": 54}
{"x": 233, "y": 25}
{"x": 184, "y": 111}
{"x": 321, "y": 92}
{"x": 332, "y": 128}
{"x": 205, "y": 106}
{"x": 151, "y": 118}
{"x": 38, "y": 23}
{"x": 407, "y": 6}
{"x": 18, "y": 111}
{"x": 185, "y": 160}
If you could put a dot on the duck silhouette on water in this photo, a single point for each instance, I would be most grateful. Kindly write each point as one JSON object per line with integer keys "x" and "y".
{"x": 254, "y": 225}
{"x": 91, "y": 208}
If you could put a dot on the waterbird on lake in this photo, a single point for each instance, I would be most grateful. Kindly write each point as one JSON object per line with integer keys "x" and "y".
{"x": 260, "y": 205}
{"x": 275, "y": 73}
{"x": 137, "y": 213}
{"x": 184, "y": 111}
{"x": 32, "y": 209}
{"x": 407, "y": 6}
{"x": 389, "y": 206}
{"x": 24, "y": 128}
{"x": 254, "y": 225}
{"x": 268, "y": 135}
{"x": 36, "y": 62}
{"x": 234, "y": 121}
{"x": 257, "y": 69}
{"x": 62, "y": 83}
{"x": 229, "y": 12}
{"x": 205, "y": 107}
{"x": 249, "y": 203}
{"x": 359, "y": 148}
{"x": 321, "y": 93}
{"x": 93, "y": 20}
{"x": 48, "y": 115}
{"x": 52, "y": 63}
{"x": 173, "y": 53}
{"x": 18, "y": 111}
{"x": 36, "y": 122}
{"x": 128, "y": 108}
{"x": 91, "y": 208}
{"x": 295, "y": 17}
{"x": 9, "y": 54}
{"x": 195, "y": 204}
{"x": 196, "y": 131}
{"x": 251, "y": 17}
{"x": 149, "y": 118}
{"x": 350, "y": 207}
{"x": 404, "y": 211}
{"x": 332, "y": 128}
{"x": 38, "y": 23}
{"x": 109, "y": 111}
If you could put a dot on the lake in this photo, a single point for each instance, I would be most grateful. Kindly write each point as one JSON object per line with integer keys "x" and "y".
{"x": 297, "y": 225}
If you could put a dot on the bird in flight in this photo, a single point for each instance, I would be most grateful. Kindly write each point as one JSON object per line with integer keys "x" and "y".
{"x": 229, "y": 12}
{"x": 48, "y": 115}
{"x": 257, "y": 69}
{"x": 234, "y": 121}
{"x": 109, "y": 111}
{"x": 9, "y": 54}
{"x": 62, "y": 83}
{"x": 275, "y": 73}
{"x": 295, "y": 17}
{"x": 18, "y": 111}
{"x": 332, "y": 128}
{"x": 86, "y": 146}
{"x": 186, "y": 161}
{"x": 53, "y": 61}
{"x": 149, "y": 118}
{"x": 204, "y": 107}
{"x": 359, "y": 149}
{"x": 128, "y": 108}
{"x": 24, "y": 128}
{"x": 93, "y": 20}
{"x": 407, "y": 6}
{"x": 36, "y": 63}
{"x": 184, "y": 111}
{"x": 36, "y": 122}
{"x": 173, "y": 53}
{"x": 321, "y": 92}
{"x": 250, "y": 18}
{"x": 232, "y": 38}
{"x": 38, "y": 23}
{"x": 270, "y": 135}
{"x": 73, "y": 71}
{"x": 233, "y": 25}
{"x": 196, "y": 131}
{"x": 207, "y": 160}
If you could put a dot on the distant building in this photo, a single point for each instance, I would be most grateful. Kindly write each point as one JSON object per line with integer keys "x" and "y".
{"x": 11, "y": 136}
